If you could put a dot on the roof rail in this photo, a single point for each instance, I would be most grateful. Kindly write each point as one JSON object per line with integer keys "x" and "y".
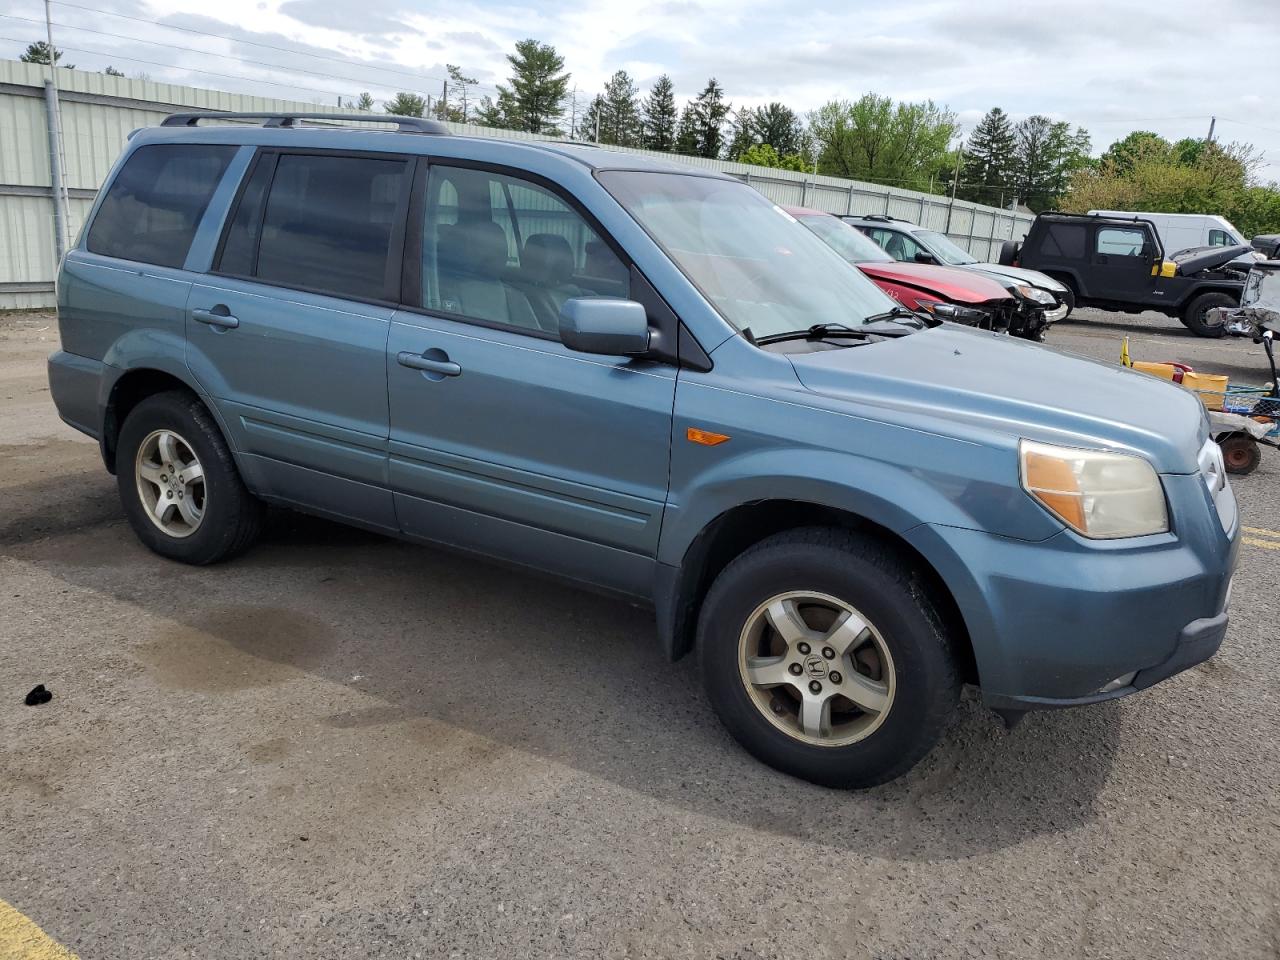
{"x": 882, "y": 217}
{"x": 403, "y": 124}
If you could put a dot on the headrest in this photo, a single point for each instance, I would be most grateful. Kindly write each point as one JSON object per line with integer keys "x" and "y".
{"x": 548, "y": 258}
{"x": 476, "y": 247}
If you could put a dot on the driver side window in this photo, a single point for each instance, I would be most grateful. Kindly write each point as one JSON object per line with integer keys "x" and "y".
{"x": 505, "y": 251}
{"x": 898, "y": 245}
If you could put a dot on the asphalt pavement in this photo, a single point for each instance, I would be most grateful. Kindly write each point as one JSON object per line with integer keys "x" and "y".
{"x": 341, "y": 745}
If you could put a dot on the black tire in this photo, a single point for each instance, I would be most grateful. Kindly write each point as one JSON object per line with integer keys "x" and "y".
{"x": 1009, "y": 251}
{"x": 1069, "y": 298}
{"x": 1240, "y": 453}
{"x": 1193, "y": 315}
{"x": 860, "y": 571}
{"x": 232, "y": 517}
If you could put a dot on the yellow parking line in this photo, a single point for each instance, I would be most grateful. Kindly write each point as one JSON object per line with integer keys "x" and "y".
{"x": 1262, "y": 530}
{"x": 1265, "y": 544}
{"x": 20, "y": 939}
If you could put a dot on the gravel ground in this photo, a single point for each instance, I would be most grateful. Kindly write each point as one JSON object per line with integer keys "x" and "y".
{"x": 341, "y": 745}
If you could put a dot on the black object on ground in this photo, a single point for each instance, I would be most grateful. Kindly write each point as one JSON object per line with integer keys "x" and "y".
{"x": 38, "y": 696}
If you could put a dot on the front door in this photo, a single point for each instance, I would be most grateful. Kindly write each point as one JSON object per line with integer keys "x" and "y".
{"x": 503, "y": 440}
{"x": 289, "y": 333}
{"x": 1122, "y": 259}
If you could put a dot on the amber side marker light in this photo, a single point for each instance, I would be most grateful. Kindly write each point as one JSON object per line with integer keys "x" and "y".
{"x": 705, "y": 437}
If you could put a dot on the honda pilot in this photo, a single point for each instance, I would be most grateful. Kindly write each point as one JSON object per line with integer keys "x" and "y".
{"x": 648, "y": 379}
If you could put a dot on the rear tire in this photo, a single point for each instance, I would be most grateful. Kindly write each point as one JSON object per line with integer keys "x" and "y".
{"x": 779, "y": 648}
{"x": 1195, "y": 313}
{"x": 1240, "y": 454}
{"x": 179, "y": 484}
{"x": 1009, "y": 251}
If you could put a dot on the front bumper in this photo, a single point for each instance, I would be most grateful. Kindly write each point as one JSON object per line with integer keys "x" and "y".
{"x": 1057, "y": 623}
{"x": 1056, "y": 314}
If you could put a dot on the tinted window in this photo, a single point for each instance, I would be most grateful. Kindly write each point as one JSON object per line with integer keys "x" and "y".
{"x": 1121, "y": 241}
{"x": 508, "y": 251}
{"x": 152, "y": 208}
{"x": 242, "y": 239}
{"x": 1064, "y": 240}
{"x": 328, "y": 225}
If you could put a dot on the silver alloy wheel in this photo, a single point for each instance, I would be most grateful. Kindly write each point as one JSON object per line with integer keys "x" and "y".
{"x": 170, "y": 483}
{"x": 816, "y": 668}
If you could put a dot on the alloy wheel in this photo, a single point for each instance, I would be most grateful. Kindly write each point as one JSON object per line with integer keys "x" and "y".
{"x": 170, "y": 483}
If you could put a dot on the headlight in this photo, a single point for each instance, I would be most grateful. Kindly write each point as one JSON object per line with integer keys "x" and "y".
{"x": 1035, "y": 293}
{"x": 953, "y": 311}
{"x": 1099, "y": 494}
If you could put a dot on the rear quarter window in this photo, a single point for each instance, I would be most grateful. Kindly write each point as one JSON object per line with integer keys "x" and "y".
{"x": 1064, "y": 240}
{"x": 152, "y": 208}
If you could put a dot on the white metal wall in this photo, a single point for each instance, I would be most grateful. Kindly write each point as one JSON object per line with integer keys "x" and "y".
{"x": 98, "y": 111}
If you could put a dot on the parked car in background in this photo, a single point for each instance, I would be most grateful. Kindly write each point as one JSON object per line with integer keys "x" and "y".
{"x": 945, "y": 292}
{"x": 1182, "y": 231}
{"x": 644, "y": 378}
{"x": 1119, "y": 263}
{"x": 904, "y": 240}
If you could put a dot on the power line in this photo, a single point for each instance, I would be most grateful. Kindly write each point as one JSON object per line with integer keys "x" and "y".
{"x": 258, "y": 43}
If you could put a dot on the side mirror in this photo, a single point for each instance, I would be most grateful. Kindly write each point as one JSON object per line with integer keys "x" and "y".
{"x": 924, "y": 256}
{"x": 604, "y": 325}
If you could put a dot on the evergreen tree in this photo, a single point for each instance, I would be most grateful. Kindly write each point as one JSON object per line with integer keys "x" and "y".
{"x": 701, "y": 131}
{"x": 406, "y": 105}
{"x": 534, "y": 101}
{"x": 1048, "y": 154}
{"x": 775, "y": 125}
{"x": 113, "y": 72}
{"x": 616, "y": 113}
{"x": 364, "y": 102}
{"x": 658, "y": 114}
{"x": 38, "y": 52}
{"x": 487, "y": 114}
{"x": 457, "y": 108}
{"x": 990, "y": 160}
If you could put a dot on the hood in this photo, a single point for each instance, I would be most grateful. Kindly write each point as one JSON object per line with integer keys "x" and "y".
{"x": 1195, "y": 259}
{"x": 991, "y": 382}
{"x": 947, "y": 283}
{"x": 1033, "y": 278}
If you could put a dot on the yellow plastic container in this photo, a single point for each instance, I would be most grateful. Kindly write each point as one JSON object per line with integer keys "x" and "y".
{"x": 1210, "y": 386}
{"x": 1164, "y": 371}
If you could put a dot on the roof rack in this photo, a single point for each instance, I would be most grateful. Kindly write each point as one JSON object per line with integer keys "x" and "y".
{"x": 289, "y": 120}
{"x": 882, "y": 217}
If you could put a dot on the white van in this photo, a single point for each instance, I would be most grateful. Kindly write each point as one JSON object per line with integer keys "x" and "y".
{"x": 1180, "y": 231}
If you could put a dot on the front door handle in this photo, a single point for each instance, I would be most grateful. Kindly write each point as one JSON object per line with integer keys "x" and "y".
{"x": 214, "y": 318}
{"x": 431, "y": 361}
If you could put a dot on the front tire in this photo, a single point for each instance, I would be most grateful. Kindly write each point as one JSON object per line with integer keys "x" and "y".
{"x": 824, "y": 657}
{"x": 1195, "y": 316}
{"x": 179, "y": 484}
{"x": 1241, "y": 454}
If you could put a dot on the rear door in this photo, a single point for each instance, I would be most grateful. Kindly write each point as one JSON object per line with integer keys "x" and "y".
{"x": 289, "y": 333}
{"x": 503, "y": 440}
{"x": 1122, "y": 259}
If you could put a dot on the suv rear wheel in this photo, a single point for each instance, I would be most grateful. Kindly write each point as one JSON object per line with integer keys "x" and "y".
{"x": 178, "y": 482}
{"x": 1195, "y": 314}
{"x": 825, "y": 659}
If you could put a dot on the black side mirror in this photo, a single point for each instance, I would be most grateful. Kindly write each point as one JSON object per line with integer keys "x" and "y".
{"x": 604, "y": 325}
{"x": 924, "y": 256}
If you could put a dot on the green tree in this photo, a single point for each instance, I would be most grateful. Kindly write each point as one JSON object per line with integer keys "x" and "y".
{"x": 658, "y": 116}
{"x": 113, "y": 72}
{"x": 990, "y": 160}
{"x": 406, "y": 105}
{"x": 364, "y": 102}
{"x": 487, "y": 114}
{"x": 1122, "y": 154}
{"x": 458, "y": 106}
{"x": 38, "y": 52}
{"x": 616, "y": 113}
{"x": 875, "y": 139}
{"x": 534, "y": 100}
{"x": 764, "y": 155}
{"x": 1048, "y": 155}
{"x": 702, "y": 122}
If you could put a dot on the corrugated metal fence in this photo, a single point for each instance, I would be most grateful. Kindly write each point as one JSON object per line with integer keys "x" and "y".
{"x": 98, "y": 111}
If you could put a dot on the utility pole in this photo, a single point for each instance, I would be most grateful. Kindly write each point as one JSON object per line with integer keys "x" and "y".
{"x": 57, "y": 158}
{"x": 598, "y": 112}
{"x": 444, "y": 101}
{"x": 573, "y": 114}
{"x": 1213, "y": 121}
{"x": 955, "y": 185}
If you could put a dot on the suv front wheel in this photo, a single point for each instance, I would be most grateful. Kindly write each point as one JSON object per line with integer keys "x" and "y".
{"x": 179, "y": 484}
{"x": 825, "y": 658}
{"x": 1195, "y": 316}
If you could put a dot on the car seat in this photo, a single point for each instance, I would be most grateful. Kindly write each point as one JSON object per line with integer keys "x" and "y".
{"x": 546, "y": 268}
{"x": 471, "y": 258}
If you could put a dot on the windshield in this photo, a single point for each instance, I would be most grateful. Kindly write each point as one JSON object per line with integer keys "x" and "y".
{"x": 754, "y": 262}
{"x": 946, "y": 251}
{"x": 845, "y": 240}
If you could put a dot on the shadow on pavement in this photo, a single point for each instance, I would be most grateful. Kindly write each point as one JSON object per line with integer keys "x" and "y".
{"x": 454, "y": 646}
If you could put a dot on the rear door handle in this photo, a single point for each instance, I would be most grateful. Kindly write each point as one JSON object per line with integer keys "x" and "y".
{"x": 439, "y": 364}
{"x": 213, "y": 319}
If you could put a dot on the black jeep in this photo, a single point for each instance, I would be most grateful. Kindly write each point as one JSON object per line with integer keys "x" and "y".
{"x": 1118, "y": 263}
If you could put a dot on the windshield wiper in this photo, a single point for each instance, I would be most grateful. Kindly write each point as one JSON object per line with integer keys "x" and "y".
{"x": 877, "y": 326}
{"x": 898, "y": 315}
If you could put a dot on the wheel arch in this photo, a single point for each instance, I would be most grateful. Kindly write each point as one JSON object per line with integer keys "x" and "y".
{"x": 681, "y": 589}
{"x": 130, "y": 387}
{"x": 1207, "y": 286}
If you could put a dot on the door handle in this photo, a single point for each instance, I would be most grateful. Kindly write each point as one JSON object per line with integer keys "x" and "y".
{"x": 214, "y": 319}
{"x": 439, "y": 364}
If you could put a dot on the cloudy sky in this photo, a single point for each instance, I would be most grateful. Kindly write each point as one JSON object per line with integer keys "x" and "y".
{"x": 1111, "y": 67}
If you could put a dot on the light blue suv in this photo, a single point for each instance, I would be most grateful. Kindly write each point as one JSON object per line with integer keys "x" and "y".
{"x": 653, "y": 381}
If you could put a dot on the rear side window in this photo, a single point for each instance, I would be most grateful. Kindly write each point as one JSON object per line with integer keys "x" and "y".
{"x": 152, "y": 208}
{"x": 324, "y": 223}
{"x": 1064, "y": 240}
{"x": 1121, "y": 241}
